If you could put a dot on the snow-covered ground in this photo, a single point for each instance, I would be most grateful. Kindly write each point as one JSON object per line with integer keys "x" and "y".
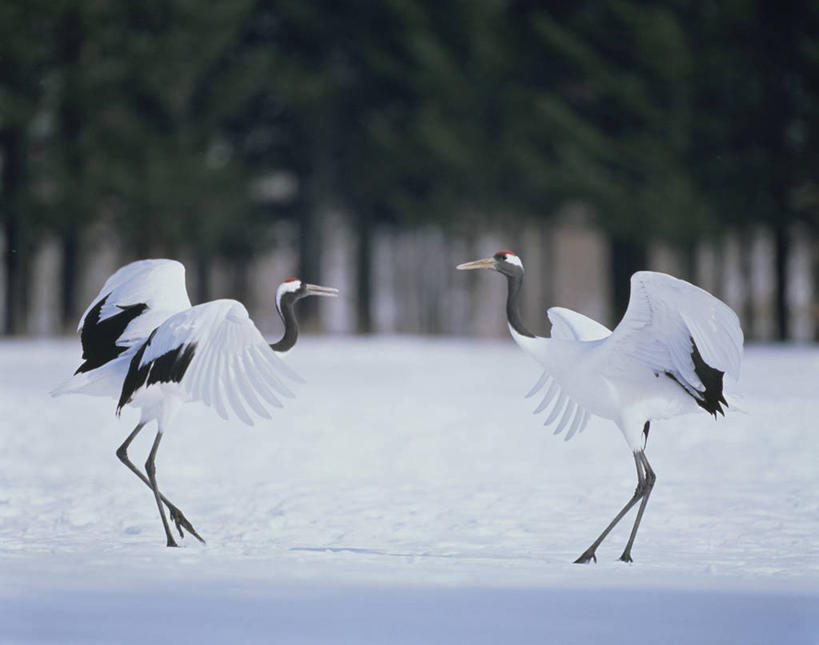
{"x": 407, "y": 496}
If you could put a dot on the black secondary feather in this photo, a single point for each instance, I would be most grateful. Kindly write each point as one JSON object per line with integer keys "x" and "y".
{"x": 170, "y": 367}
{"x": 711, "y": 399}
{"x": 711, "y": 379}
{"x": 99, "y": 338}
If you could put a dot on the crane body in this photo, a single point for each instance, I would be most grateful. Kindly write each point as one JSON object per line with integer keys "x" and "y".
{"x": 666, "y": 357}
{"x": 145, "y": 346}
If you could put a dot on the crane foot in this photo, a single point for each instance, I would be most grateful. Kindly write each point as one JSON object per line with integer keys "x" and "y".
{"x": 182, "y": 522}
{"x": 586, "y": 557}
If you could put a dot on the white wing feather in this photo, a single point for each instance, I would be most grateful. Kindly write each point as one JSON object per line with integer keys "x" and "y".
{"x": 567, "y": 325}
{"x": 570, "y": 325}
{"x": 664, "y": 315}
{"x": 159, "y": 284}
{"x": 233, "y": 368}
{"x": 144, "y": 294}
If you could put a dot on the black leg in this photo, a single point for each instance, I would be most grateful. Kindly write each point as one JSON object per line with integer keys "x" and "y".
{"x": 150, "y": 468}
{"x": 649, "y": 484}
{"x": 177, "y": 516}
{"x": 589, "y": 554}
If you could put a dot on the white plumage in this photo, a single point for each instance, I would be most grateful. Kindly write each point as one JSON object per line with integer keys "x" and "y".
{"x": 666, "y": 357}
{"x": 617, "y": 374}
{"x": 159, "y": 284}
{"x": 144, "y": 344}
{"x": 153, "y": 290}
{"x": 232, "y": 370}
{"x": 570, "y": 325}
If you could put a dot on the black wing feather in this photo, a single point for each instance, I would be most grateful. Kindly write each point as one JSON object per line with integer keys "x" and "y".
{"x": 712, "y": 398}
{"x": 169, "y": 367}
{"x": 711, "y": 378}
{"x": 99, "y": 339}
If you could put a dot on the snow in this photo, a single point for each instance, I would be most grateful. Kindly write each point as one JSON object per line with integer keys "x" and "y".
{"x": 407, "y": 495}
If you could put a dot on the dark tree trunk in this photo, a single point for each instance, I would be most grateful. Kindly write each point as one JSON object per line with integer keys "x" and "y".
{"x": 12, "y": 141}
{"x": 814, "y": 304}
{"x": 627, "y": 256}
{"x": 313, "y": 202}
{"x": 747, "y": 316}
{"x": 364, "y": 321}
{"x": 239, "y": 273}
{"x": 782, "y": 244}
{"x": 203, "y": 281}
{"x": 68, "y": 278}
{"x": 72, "y": 124}
{"x": 690, "y": 258}
{"x": 13, "y": 320}
{"x": 779, "y": 63}
{"x": 309, "y": 269}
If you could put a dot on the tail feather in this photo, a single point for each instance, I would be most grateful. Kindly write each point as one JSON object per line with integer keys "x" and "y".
{"x": 102, "y": 381}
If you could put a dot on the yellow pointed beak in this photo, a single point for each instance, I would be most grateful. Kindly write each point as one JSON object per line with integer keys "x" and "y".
{"x": 485, "y": 263}
{"x": 316, "y": 290}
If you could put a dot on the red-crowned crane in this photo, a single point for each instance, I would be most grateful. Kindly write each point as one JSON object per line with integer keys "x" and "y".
{"x": 146, "y": 346}
{"x": 666, "y": 357}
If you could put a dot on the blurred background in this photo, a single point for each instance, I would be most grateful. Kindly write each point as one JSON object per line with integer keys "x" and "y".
{"x": 372, "y": 146}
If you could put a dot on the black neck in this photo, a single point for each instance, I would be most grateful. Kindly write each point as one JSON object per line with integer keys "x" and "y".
{"x": 513, "y": 305}
{"x": 291, "y": 327}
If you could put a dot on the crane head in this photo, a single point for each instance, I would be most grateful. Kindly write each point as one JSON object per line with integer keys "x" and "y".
{"x": 504, "y": 262}
{"x": 294, "y": 289}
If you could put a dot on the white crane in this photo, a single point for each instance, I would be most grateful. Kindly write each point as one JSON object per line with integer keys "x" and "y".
{"x": 145, "y": 345}
{"x": 666, "y": 357}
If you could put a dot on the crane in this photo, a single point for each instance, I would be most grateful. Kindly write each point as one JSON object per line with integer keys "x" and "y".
{"x": 666, "y": 357}
{"x": 145, "y": 345}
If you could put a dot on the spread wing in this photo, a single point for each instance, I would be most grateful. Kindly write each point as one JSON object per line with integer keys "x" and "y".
{"x": 130, "y": 305}
{"x": 572, "y": 326}
{"x": 678, "y": 329}
{"x": 216, "y": 355}
{"x": 670, "y": 326}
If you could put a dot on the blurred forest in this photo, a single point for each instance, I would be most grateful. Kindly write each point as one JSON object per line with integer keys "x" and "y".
{"x": 225, "y": 130}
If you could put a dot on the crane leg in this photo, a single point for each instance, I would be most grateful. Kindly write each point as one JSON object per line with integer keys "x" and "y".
{"x": 639, "y": 493}
{"x": 650, "y": 478}
{"x": 177, "y": 516}
{"x": 150, "y": 469}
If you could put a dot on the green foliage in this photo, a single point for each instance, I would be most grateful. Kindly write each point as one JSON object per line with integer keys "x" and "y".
{"x": 160, "y": 114}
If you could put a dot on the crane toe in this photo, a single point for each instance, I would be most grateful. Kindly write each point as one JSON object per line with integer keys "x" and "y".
{"x": 182, "y": 522}
{"x": 586, "y": 557}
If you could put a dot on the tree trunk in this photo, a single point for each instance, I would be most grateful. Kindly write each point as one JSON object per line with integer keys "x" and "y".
{"x": 690, "y": 260}
{"x": 746, "y": 254}
{"x": 71, "y": 120}
{"x": 239, "y": 275}
{"x": 782, "y": 244}
{"x": 68, "y": 278}
{"x": 779, "y": 25}
{"x": 814, "y": 303}
{"x": 203, "y": 281}
{"x": 627, "y": 256}
{"x": 309, "y": 269}
{"x": 12, "y": 141}
{"x": 364, "y": 321}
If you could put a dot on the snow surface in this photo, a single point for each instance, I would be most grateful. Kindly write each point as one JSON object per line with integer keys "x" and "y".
{"x": 407, "y": 496}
